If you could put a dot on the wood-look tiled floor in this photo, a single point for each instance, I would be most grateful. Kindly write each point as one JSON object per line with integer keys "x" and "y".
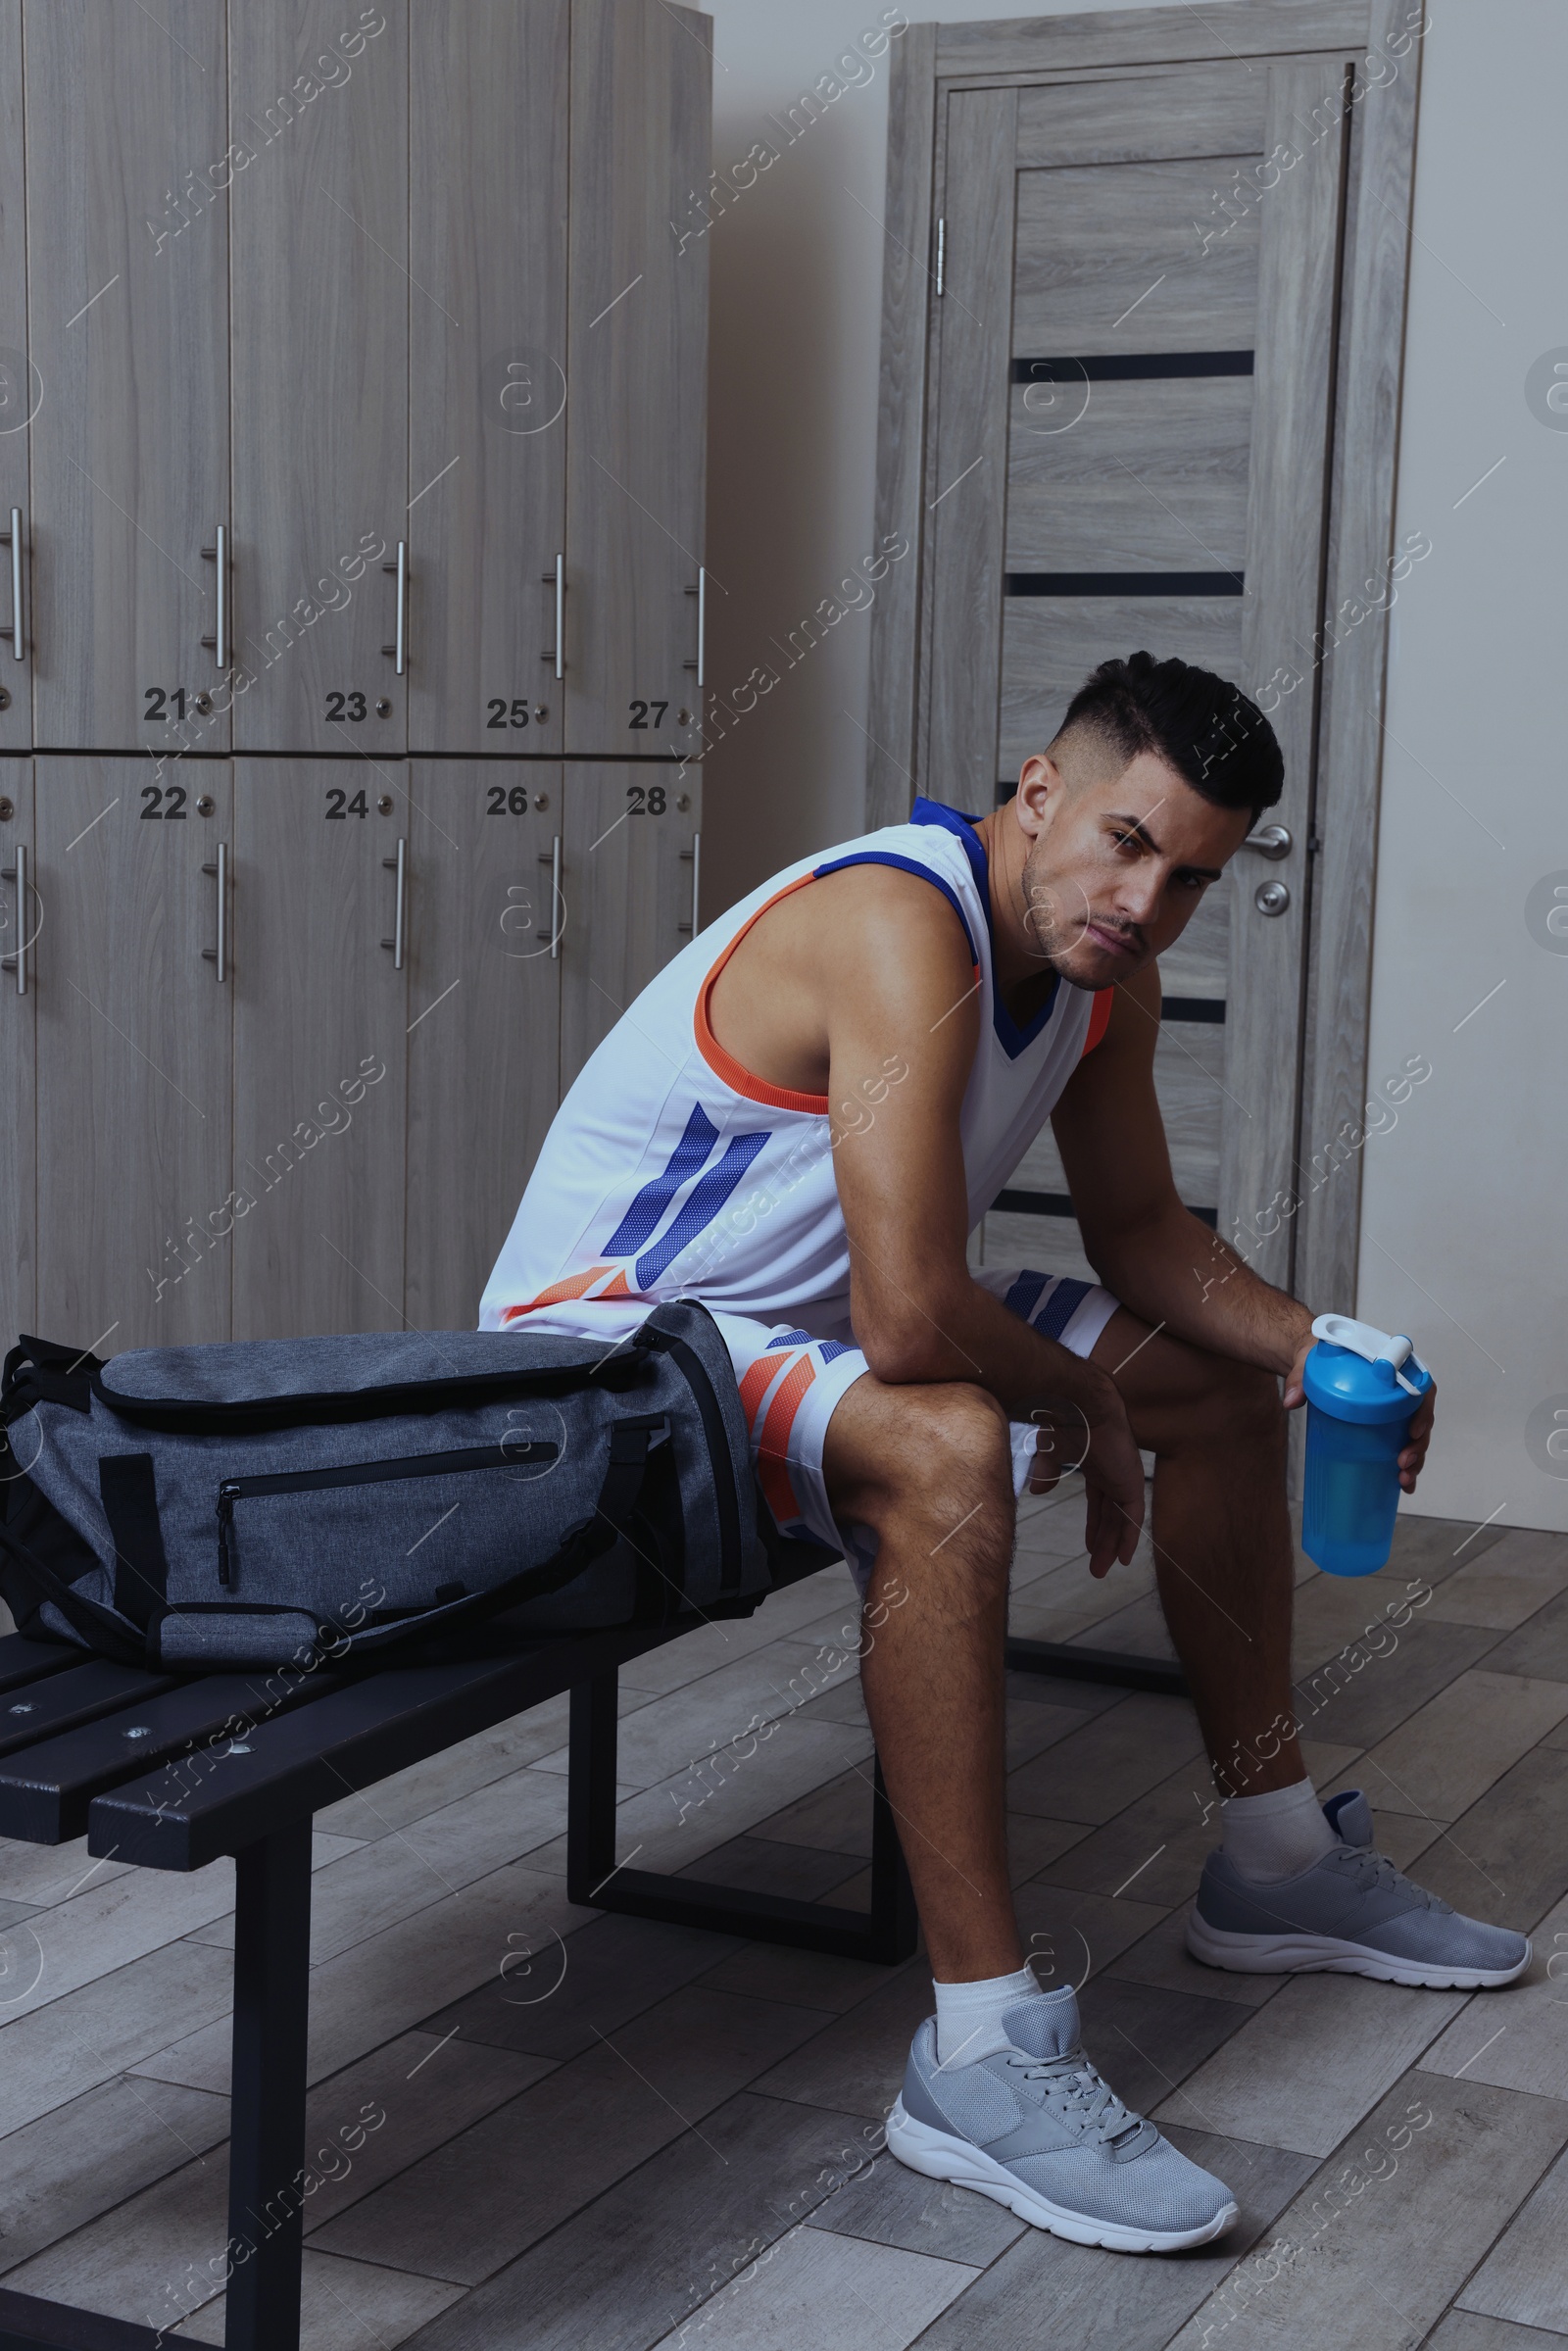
{"x": 608, "y": 2135}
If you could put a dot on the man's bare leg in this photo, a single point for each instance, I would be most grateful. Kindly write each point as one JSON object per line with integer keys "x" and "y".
{"x": 929, "y": 1468}
{"x": 1221, "y": 1533}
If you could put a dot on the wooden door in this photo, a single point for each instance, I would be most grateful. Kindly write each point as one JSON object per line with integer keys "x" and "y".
{"x": 127, "y": 161}
{"x": 630, "y": 887}
{"x": 18, "y": 394}
{"x": 321, "y": 1036}
{"x": 641, "y": 106}
{"x": 18, "y": 997}
{"x": 321, "y": 324}
{"x": 1132, "y": 404}
{"x": 136, "y": 1208}
{"x": 487, "y": 362}
{"x": 484, "y": 1016}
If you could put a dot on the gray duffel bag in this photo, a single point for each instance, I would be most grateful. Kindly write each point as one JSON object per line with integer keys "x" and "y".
{"x": 274, "y": 1500}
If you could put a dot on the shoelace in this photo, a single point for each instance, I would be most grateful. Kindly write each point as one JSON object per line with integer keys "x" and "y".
{"x": 1375, "y": 1871}
{"x": 1092, "y": 2101}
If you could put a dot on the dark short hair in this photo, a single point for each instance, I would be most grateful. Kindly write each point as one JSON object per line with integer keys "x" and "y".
{"x": 1198, "y": 723}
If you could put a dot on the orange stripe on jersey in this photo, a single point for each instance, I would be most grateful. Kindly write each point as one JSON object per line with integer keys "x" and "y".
{"x": 772, "y": 1471}
{"x": 1098, "y": 1017}
{"x": 735, "y": 1074}
{"x": 760, "y": 1378}
{"x": 574, "y": 1286}
{"x": 619, "y": 1288}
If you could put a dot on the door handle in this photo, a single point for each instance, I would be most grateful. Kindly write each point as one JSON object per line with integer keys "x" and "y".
{"x": 555, "y": 899}
{"x": 559, "y": 578}
{"x": 219, "y": 954}
{"x": 13, "y": 538}
{"x": 399, "y": 647}
{"x": 218, "y": 554}
{"x": 700, "y": 594}
{"x": 18, "y": 962}
{"x": 695, "y": 852}
{"x": 1272, "y": 840}
{"x": 400, "y": 910}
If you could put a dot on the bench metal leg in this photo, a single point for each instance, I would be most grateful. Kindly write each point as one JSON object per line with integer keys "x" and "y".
{"x": 887, "y": 1933}
{"x": 266, "y": 2144}
{"x": 1121, "y": 1667}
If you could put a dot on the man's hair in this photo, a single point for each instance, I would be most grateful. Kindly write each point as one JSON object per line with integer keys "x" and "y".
{"x": 1198, "y": 723}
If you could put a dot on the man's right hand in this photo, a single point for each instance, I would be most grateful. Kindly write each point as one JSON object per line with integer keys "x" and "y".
{"x": 1113, "y": 1479}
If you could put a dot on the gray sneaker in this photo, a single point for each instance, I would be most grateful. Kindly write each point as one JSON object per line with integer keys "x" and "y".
{"x": 1351, "y": 1914}
{"x": 1035, "y": 2127}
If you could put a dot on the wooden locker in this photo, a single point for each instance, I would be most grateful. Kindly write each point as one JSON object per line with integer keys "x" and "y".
{"x": 321, "y": 324}
{"x": 18, "y": 395}
{"x": 641, "y": 106}
{"x": 487, "y": 359}
{"x": 127, "y": 277}
{"x": 136, "y": 1028}
{"x": 18, "y": 997}
{"x": 321, "y": 1036}
{"x": 484, "y": 1016}
{"x": 630, "y": 886}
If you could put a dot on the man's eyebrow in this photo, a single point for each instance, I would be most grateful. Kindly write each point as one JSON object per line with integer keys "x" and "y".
{"x": 1137, "y": 825}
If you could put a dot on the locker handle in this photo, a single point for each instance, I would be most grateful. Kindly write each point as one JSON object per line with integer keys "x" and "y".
{"x": 695, "y": 852}
{"x": 400, "y": 910}
{"x": 18, "y": 962}
{"x": 219, "y": 954}
{"x": 557, "y": 926}
{"x": 557, "y": 577}
{"x": 700, "y": 594}
{"x": 219, "y": 640}
{"x": 398, "y": 648}
{"x": 13, "y": 539}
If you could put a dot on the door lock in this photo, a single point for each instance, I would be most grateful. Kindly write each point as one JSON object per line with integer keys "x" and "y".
{"x": 1271, "y": 898}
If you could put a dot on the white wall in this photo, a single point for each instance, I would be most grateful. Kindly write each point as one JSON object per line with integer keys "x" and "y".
{"x": 1464, "y": 1199}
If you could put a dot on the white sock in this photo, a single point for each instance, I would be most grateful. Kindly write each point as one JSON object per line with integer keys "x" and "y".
{"x": 1274, "y": 1836}
{"x": 970, "y": 2015}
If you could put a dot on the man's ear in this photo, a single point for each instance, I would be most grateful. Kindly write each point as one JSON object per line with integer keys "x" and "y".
{"x": 1041, "y": 789}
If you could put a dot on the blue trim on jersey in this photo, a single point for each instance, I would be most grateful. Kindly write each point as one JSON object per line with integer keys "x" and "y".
{"x": 1024, "y": 1295}
{"x": 642, "y": 1218}
{"x": 789, "y": 1339}
{"x": 704, "y": 1205}
{"x": 830, "y": 1347}
{"x": 1063, "y": 1302}
{"x": 1009, "y": 1036}
{"x": 888, "y": 857}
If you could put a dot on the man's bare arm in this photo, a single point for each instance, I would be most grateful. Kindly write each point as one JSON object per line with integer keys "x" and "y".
{"x": 903, "y": 999}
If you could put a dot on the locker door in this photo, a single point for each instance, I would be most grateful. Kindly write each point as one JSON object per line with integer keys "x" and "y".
{"x": 18, "y": 395}
{"x": 630, "y": 884}
{"x": 487, "y": 355}
{"x": 484, "y": 1017}
{"x": 321, "y": 328}
{"x": 127, "y": 275}
{"x": 320, "y": 1020}
{"x": 641, "y": 105}
{"x": 19, "y": 996}
{"x": 134, "y": 1055}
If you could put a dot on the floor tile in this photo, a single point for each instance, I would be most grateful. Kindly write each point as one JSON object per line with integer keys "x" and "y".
{"x": 837, "y": 1815}
{"x": 1444, "y": 1757}
{"x": 856, "y": 2064}
{"x": 895, "y": 2206}
{"x": 1034, "y": 1843}
{"x": 1070, "y": 1935}
{"x": 1516, "y": 2037}
{"x": 1098, "y": 1769}
{"x": 1510, "y": 1581}
{"x": 60, "y": 2171}
{"x": 758, "y": 1865}
{"x": 813, "y": 2285}
{"x": 59, "y": 2052}
{"x": 1507, "y": 1859}
{"x": 1364, "y": 1693}
{"x": 1540, "y": 1646}
{"x": 1524, "y": 2276}
{"x": 1162, "y": 1957}
{"x": 345, "y": 2306}
{"x": 488, "y": 2194}
{"x": 594, "y": 1982}
{"x": 1303, "y": 2070}
{"x": 1463, "y": 2331}
{"x": 1147, "y": 2041}
{"x": 1377, "y": 2242}
{"x": 803, "y": 1979}
{"x": 1336, "y": 1614}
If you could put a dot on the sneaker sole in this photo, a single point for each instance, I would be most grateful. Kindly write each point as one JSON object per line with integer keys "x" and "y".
{"x": 941, "y": 2156}
{"x": 1326, "y": 1954}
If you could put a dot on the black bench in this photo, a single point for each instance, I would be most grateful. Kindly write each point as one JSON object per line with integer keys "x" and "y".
{"x": 152, "y": 1768}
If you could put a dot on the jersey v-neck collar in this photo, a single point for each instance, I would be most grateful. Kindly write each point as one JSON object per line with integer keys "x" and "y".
{"x": 1013, "y": 1039}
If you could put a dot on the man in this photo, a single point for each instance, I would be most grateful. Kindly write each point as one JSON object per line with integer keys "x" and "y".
{"x": 798, "y": 1123}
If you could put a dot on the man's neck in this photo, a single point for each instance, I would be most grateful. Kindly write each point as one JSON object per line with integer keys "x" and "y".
{"x": 1023, "y": 978}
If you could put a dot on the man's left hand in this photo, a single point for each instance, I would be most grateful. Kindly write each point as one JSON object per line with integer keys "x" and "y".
{"x": 1415, "y": 1454}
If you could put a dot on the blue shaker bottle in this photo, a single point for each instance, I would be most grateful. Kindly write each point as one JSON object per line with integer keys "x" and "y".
{"x": 1362, "y": 1386}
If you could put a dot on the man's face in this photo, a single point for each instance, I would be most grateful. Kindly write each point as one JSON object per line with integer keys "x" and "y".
{"x": 1116, "y": 865}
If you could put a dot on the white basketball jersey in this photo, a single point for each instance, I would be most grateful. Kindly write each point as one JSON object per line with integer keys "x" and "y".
{"x": 671, "y": 1171}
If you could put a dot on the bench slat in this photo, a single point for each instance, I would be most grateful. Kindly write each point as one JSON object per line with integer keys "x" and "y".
{"x": 347, "y": 1740}
{"x": 23, "y": 1660}
{"x": 77, "y": 1695}
{"x": 46, "y": 1789}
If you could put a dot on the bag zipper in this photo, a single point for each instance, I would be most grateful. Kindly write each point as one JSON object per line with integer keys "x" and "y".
{"x": 361, "y": 1473}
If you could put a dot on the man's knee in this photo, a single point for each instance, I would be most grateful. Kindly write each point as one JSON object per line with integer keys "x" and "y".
{"x": 942, "y": 1461}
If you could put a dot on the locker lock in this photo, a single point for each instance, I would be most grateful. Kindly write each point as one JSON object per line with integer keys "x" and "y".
{"x": 5, "y": 698}
{"x": 383, "y": 709}
{"x": 206, "y": 804}
{"x": 541, "y": 711}
{"x": 8, "y": 808}
{"x": 384, "y": 805}
{"x": 541, "y": 800}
